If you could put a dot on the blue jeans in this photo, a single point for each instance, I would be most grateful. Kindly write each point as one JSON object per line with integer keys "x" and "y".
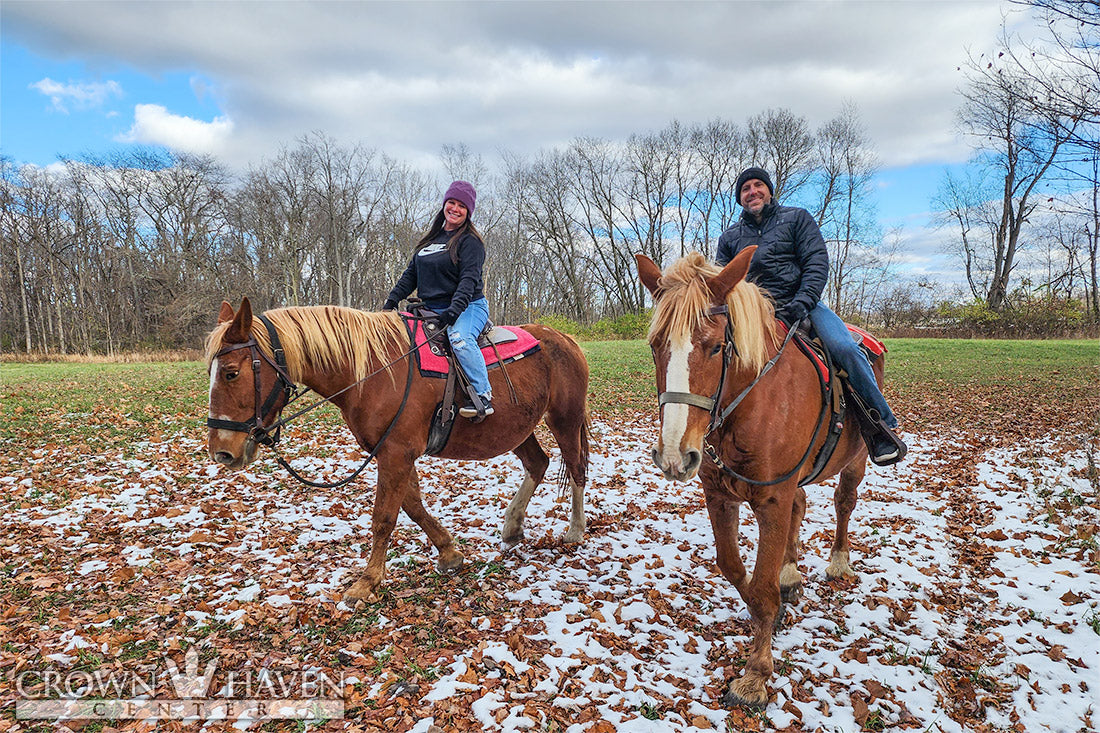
{"x": 848, "y": 356}
{"x": 463, "y": 335}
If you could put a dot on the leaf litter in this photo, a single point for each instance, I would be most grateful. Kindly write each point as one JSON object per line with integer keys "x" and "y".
{"x": 977, "y": 606}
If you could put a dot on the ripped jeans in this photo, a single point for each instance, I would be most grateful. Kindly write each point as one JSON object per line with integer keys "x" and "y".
{"x": 463, "y": 335}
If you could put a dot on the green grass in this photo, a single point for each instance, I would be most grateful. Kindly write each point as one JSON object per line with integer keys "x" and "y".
{"x": 621, "y": 372}
{"x": 100, "y": 404}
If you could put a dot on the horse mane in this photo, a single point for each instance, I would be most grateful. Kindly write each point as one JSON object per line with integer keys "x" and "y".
{"x": 682, "y": 304}
{"x": 325, "y": 338}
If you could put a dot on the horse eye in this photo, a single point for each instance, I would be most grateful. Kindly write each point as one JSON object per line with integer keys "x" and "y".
{"x": 716, "y": 350}
{"x": 231, "y": 375}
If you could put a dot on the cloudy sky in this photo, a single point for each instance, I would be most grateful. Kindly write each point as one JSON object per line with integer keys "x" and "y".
{"x": 238, "y": 79}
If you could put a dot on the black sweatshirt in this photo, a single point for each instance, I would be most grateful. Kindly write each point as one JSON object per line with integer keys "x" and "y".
{"x": 438, "y": 280}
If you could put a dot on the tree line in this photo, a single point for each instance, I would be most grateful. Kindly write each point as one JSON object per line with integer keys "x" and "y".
{"x": 135, "y": 251}
{"x": 138, "y": 250}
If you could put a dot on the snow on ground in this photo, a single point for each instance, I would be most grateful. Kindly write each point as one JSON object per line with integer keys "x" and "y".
{"x": 998, "y": 609}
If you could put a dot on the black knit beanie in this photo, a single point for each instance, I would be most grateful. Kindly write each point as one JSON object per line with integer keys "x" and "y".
{"x": 749, "y": 174}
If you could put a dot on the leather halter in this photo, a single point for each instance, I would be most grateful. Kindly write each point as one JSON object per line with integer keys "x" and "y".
{"x": 284, "y": 386}
{"x": 718, "y": 414}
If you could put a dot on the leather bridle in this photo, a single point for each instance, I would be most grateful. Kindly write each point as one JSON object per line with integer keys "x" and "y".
{"x": 719, "y": 414}
{"x": 283, "y": 386}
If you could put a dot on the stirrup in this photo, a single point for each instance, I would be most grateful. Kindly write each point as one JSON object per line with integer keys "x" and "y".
{"x": 476, "y": 409}
{"x": 887, "y": 448}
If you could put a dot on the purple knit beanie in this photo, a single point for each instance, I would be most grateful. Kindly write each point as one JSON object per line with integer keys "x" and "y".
{"x": 464, "y": 192}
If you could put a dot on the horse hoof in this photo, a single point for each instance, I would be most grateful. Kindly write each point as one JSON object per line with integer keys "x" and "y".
{"x": 780, "y": 617}
{"x": 507, "y": 543}
{"x": 361, "y": 591}
{"x": 572, "y": 538}
{"x": 791, "y": 594}
{"x": 451, "y": 561}
{"x": 742, "y": 694}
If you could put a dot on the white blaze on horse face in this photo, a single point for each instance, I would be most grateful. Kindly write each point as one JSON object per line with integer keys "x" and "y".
{"x": 675, "y": 414}
{"x": 213, "y": 381}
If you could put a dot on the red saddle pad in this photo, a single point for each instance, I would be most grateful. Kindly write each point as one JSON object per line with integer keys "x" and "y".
{"x": 435, "y": 365}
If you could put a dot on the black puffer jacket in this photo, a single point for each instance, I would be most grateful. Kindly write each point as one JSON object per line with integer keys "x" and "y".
{"x": 791, "y": 262}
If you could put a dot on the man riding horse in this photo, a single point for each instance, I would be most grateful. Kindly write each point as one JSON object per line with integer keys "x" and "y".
{"x": 792, "y": 263}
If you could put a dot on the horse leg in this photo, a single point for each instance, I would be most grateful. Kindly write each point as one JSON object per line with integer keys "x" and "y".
{"x": 790, "y": 579}
{"x": 535, "y": 462}
{"x": 724, "y": 522}
{"x": 844, "y": 498}
{"x": 392, "y": 485}
{"x": 413, "y": 504}
{"x": 773, "y": 517}
{"x": 571, "y": 434}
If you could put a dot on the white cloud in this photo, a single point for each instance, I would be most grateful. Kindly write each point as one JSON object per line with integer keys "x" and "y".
{"x": 153, "y": 124}
{"x": 406, "y": 78}
{"x": 87, "y": 95}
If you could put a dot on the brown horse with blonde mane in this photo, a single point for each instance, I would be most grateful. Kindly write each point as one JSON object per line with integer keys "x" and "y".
{"x": 757, "y": 453}
{"x": 328, "y": 348}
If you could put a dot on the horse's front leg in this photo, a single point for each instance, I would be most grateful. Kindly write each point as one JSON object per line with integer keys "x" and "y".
{"x": 773, "y": 517}
{"x": 844, "y": 498}
{"x": 724, "y": 514}
{"x": 393, "y": 483}
{"x": 790, "y": 579}
{"x": 449, "y": 557}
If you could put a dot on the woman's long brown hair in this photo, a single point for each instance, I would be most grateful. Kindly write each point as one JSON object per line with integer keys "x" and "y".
{"x": 452, "y": 243}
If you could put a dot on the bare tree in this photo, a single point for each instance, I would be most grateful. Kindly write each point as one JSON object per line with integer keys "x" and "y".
{"x": 720, "y": 148}
{"x": 1018, "y": 142}
{"x": 1063, "y": 67}
{"x": 782, "y": 144}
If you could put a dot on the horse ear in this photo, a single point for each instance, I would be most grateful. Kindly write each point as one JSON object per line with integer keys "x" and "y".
{"x": 648, "y": 273}
{"x": 226, "y": 312}
{"x": 240, "y": 330}
{"x": 721, "y": 284}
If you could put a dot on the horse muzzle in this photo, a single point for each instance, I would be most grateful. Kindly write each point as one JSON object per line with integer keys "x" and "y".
{"x": 678, "y": 465}
{"x": 235, "y": 460}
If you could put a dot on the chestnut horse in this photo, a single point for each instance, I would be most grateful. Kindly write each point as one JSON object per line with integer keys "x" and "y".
{"x": 328, "y": 348}
{"x": 756, "y": 454}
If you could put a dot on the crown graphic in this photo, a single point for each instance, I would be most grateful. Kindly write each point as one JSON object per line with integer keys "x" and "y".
{"x": 190, "y": 684}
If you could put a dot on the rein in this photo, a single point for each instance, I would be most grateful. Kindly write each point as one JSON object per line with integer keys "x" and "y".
{"x": 717, "y": 418}
{"x": 269, "y": 436}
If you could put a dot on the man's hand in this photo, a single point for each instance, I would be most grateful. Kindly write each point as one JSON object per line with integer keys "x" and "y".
{"x": 791, "y": 315}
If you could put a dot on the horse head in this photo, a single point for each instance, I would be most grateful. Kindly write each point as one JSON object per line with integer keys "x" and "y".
{"x": 688, "y": 337}
{"x": 248, "y": 388}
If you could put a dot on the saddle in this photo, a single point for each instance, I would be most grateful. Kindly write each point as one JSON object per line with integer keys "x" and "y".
{"x": 837, "y": 401}
{"x": 500, "y": 345}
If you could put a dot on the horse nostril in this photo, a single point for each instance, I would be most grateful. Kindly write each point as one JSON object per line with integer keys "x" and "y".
{"x": 694, "y": 460}
{"x": 223, "y": 457}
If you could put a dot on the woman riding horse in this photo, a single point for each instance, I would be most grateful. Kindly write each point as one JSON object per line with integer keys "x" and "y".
{"x": 363, "y": 362}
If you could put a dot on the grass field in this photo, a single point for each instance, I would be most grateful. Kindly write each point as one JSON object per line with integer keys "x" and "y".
{"x": 928, "y": 380}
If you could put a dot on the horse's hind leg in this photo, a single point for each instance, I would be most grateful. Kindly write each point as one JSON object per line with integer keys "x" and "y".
{"x": 535, "y": 462}
{"x": 790, "y": 579}
{"x": 413, "y": 504}
{"x": 845, "y": 500}
{"x": 571, "y": 433}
